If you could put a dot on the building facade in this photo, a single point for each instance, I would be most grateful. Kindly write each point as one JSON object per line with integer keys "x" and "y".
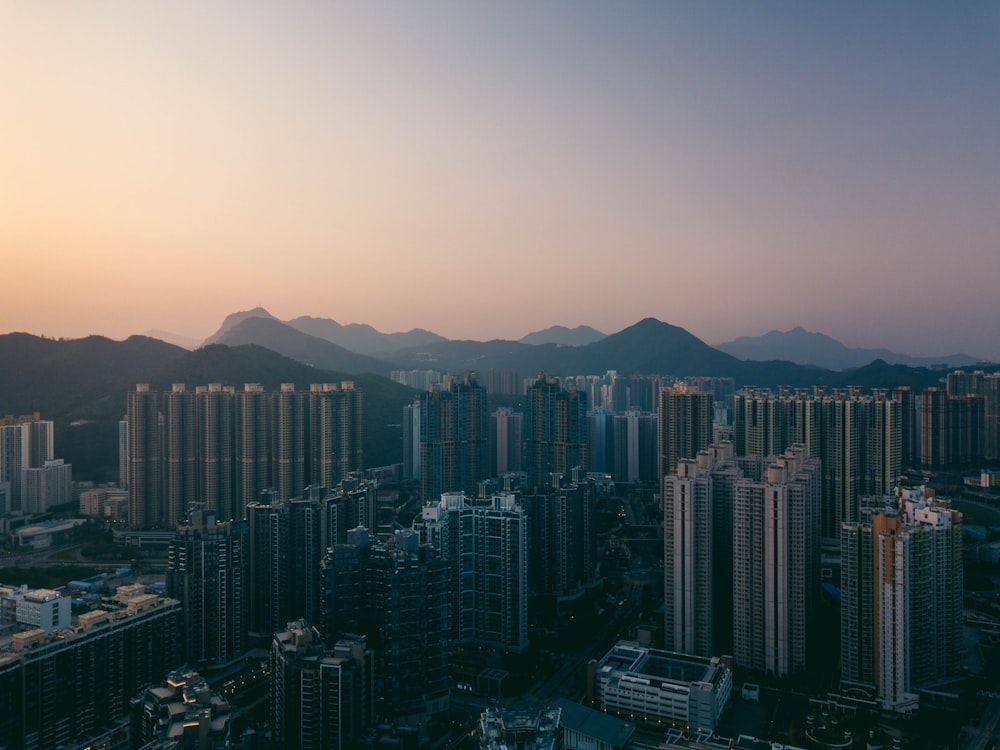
{"x": 556, "y": 430}
{"x": 776, "y": 564}
{"x": 901, "y": 604}
{"x": 684, "y": 422}
{"x": 219, "y": 448}
{"x": 64, "y": 687}
{"x": 640, "y": 683}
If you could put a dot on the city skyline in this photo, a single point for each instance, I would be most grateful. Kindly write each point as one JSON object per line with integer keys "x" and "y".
{"x": 729, "y": 169}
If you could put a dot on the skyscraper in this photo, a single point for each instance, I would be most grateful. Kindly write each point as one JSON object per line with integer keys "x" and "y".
{"x": 406, "y": 616}
{"x": 858, "y": 439}
{"x": 562, "y": 539}
{"x": 253, "y": 457}
{"x": 687, "y": 558}
{"x": 556, "y": 430}
{"x": 336, "y": 432}
{"x": 453, "y": 438}
{"x": 776, "y": 563}
{"x": 952, "y": 429}
{"x": 207, "y": 573}
{"x": 145, "y": 459}
{"x": 219, "y": 448}
{"x": 698, "y": 550}
{"x": 289, "y": 431}
{"x": 180, "y": 453}
{"x": 485, "y": 543}
{"x": 215, "y": 456}
{"x": 684, "y": 421}
{"x": 507, "y": 440}
{"x": 321, "y": 697}
{"x": 46, "y": 486}
{"x": 901, "y": 606}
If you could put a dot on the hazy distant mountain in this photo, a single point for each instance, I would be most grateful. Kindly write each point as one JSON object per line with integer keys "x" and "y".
{"x": 564, "y": 336}
{"x": 648, "y": 347}
{"x": 185, "y": 342}
{"x": 81, "y": 384}
{"x": 807, "y": 348}
{"x": 362, "y": 338}
{"x": 284, "y": 339}
{"x": 234, "y": 319}
{"x": 460, "y": 355}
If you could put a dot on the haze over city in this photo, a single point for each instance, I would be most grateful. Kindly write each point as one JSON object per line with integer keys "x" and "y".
{"x": 483, "y": 171}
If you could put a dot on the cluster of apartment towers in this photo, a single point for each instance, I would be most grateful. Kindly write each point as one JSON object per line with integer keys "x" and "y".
{"x": 747, "y": 509}
{"x": 315, "y": 554}
{"x": 31, "y": 478}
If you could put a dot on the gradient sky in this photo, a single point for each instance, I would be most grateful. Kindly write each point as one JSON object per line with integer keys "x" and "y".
{"x": 488, "y": 169}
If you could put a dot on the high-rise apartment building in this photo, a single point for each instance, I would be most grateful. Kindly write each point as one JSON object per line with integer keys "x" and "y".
{"x": 146, "y": 508}
{"x": 506, "y": 442}
{"x": 396, "y": 593}
{"x": 46, "y": 486}
{"x": 698, "y": 506}
{"x": 688, "y": 545}
{"x": 485, "y": 543}
{"x": 180, "y": 453}
{"x": 776, "y": 563}
{"x": 207, "y": 572}
{"x": 562, "y": 539}
{"x": 28, "y": 443}
{"x": 857, "y": 437}
{"x": 286, "y": 549}
{"x": 952, "y": 429}
{"x": 269, "y": 595}
{"x": 406, "y": 615}
{"x": 218, "y": 448}
{"x": 411, "y": 441}
{"x": 453, "y": 438}
{"x": 684, "y": 422}
{"x": 215, "y": 458}
{"x": 253, "y": 440}
{"x": 909, "y": 453}
{"x": 321, "y": 697}
{"x": 336, "y": 432}
{"x": 556, "y": 430}
{"x": 901, "y": 605}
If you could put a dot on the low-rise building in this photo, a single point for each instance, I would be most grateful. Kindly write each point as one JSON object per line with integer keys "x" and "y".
{"x": 652, "y": 685}
{"x": 587, "y": 729}
{"x": 44, "y": 609}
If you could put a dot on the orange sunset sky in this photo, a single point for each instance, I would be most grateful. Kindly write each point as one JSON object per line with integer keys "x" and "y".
{"x": 483, "y": 170}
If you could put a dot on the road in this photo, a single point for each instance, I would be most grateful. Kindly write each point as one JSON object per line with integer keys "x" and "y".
{"x": 67, "y": 554}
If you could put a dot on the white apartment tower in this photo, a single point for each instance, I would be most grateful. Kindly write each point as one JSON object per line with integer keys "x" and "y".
{"x": 776, "y": 563}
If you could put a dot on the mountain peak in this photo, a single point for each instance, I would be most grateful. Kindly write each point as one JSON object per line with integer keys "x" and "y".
{"x": 564, "y": 336}
{"x": 234, "y": 319}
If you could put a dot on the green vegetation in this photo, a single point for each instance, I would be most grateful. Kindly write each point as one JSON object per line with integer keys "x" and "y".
{"x": 976, "y": 514}
{"x": 51, "y": 577}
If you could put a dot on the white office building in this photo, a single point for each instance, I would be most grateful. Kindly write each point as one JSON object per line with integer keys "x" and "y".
{"x": 645, "y": 684}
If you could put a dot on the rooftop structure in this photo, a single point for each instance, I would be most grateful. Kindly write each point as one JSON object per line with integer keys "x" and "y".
{"x": 183, "y": 710}
{"x": 653, "y": 685}
{"x": 500, "y": 729}
{"x": 585, "y": 728}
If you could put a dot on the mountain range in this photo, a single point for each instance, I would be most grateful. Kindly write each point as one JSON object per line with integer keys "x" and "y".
{"x": 808, "y": 348}
{"x": 81, "y": 383}
{"x": 647, "y": 347}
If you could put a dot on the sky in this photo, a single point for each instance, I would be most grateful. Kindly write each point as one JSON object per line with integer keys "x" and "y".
{"x": 484, "y": 170}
